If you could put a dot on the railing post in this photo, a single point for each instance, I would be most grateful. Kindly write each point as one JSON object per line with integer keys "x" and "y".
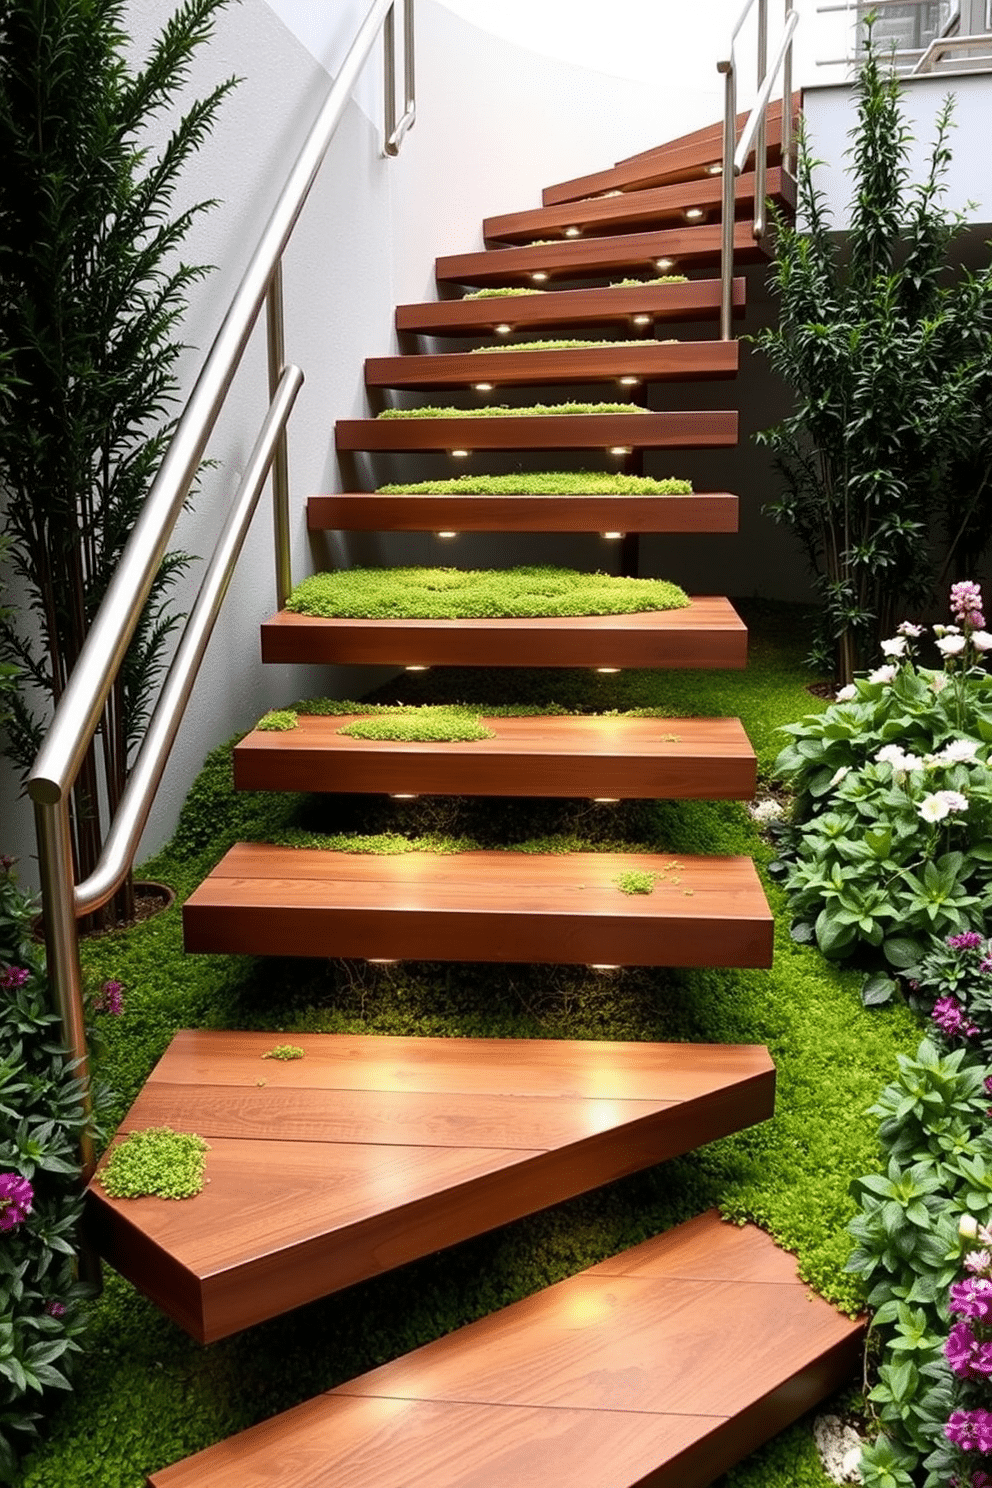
{"x": 729, "y": 195}
{"x": 276, "y": 338}
{"x": 761, "y": 138}
{"x": 394, "y": 131}
{"x": 788, "y": 164}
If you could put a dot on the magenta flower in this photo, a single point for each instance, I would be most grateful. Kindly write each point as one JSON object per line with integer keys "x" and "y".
{"x": 959, "y": 1350}
{"x": 110, "y": 1000}
{"x": 948, "y": 1014}
{"x": 16, "y": 1195}
{"x": 55, "y": 1309}
{"x": 970, "y": 1430}
{"x": 966, "y": 603}
{"x": 971, "y": 1298}
{"x": 968, "y": 940}
{"x": 13, "y": 977}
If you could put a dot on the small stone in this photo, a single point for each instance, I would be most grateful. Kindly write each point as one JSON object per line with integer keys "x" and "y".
{"x": 839, "y": 1447}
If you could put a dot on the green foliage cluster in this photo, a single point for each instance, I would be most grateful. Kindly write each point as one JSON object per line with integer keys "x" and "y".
{"x": 502, "y": 410}
{"x": 937, "y": 1166}
{"x": 658, "y": 279}
{"x": 421, "y": 725}
{"x": 41, "y": 1122}
{"x": 156, "y": 1162}
{"x": 889, "y": 356}
{"x": 544, "y": 483}
{"x": 454, "y": 594}
{"x": 500, "y": 292}
{"x": 284, "y": 1051}
{"x": 636, "y": 881}
{"x": 278, "y": 721}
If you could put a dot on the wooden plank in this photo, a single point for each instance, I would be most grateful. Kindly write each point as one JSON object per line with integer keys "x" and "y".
{"x": 653, "y": 1381}
{"x": 481, "y": 906}
{"x": 683, "y": 159}
{"x": 707, "y": 429}
{"x": 630, "y": 253}
{"x": 376, "y": 511}
{"x": 568, "y": 308}
{"x": 633, "y": 210}
{"x": 707, "y": 634}
{"x": 626, "y": 758}
{"x": 686, "y": 361}
{"x": 369, "y": 1152}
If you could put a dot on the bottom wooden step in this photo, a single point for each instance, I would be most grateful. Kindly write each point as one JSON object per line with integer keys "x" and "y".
{"x": 368, "y": 1152}
{"x": 660, "y": 1368}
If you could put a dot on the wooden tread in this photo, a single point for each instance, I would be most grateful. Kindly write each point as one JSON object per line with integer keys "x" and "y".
{"x": 568, "y": 308}
{"x": 565, "y": 908}
{"x": 369, "y": 1152}
{"x": 686, "y": 361}
{"x": 365, "y": 511}
{"x": 582, "y": 258}
{"x": 685, "y": 159}
{"x": 708, "y": 633}
{"x": 634, "y": 210}
{"x": 660, "y": 1368}
{"x": 706, "y": 429}
{"x": 650, "y": 758}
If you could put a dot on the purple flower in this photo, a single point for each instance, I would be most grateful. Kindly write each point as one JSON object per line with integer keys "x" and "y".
{"x": 55, "y": 1309}
{"x": 110, "y": 1000}
{"x": 966, "y": 941}
{"x": 16, "y": 1195}
{"x": 971, "y": 1298}
{"x": 960, "y": 1349}
{"x": 948, "y": 1014}
{"x": 966, "y": 602}
{"x": 13, "y": 977}
{"x": 970, "y": 1430}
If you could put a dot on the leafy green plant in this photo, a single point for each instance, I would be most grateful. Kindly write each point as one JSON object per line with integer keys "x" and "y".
{"x": 501, "y": 410}
{"x": 93, "y": 289}
{"x": 545, "y": 483}
{"x": 41, "y": 1121}
{"x": 891, "y": 370}
{"x": 451, "y": 593}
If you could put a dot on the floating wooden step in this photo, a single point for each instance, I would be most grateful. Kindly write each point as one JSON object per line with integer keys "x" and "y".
{"x": 566, "y": 309}
{"x": 706, "y": 429}
{"x": 481, "y": 906}
{"x": 369, "y": 1152}
{"x": 634, "y": 211}
{"x": 689, "y": 158}
{"x": 586, "y": 258}
{"x": 650, "y": 758}
{"x": 364, "y": 511}
{"x": 661, "y": 1367}
{"x": 708, "y": 633}
{"x": 686, "y": 361}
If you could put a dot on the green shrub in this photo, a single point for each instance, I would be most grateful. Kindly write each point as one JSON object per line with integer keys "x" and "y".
{"x": 450, "y": 593}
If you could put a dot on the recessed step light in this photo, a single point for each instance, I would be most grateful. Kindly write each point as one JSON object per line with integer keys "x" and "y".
{"x": 539, "y": 277}
{"x": 663, "y": 264}
{"x": 573, "y": 232}
{"x": 459, "y": 454}
{"x": 402, "y": 796}
{"x": 502, "y": 330}
{"x": 381, "y": 961}
{"x": 629, "y": 381}
{"x": 446, "y": 534}
{"x": 716, "y": 169}
{"x": 694, "y": 214}
{"x": 640, "y": 320}
{"x": 605, "y": 671}
{"x": 417, "y": 669}
{"x": 483, "y": 387}
{"x": 612, "y": 536}
{"x": 620, "y": 449}
{"x": 606, "y": 800}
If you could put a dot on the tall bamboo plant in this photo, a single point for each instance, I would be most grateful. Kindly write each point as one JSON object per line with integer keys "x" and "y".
{"x": 92, "y": 289}
{"x": 886, "y": 461}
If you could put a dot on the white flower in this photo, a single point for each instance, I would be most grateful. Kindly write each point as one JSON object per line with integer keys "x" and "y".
{"x": 897, "y": 757}
{"x": 951, "y": 645}
{"x": 954, "y": 800}
{"x": 882, "y": 674}
{"x": 933, "y": 809}
{"x": 907, "y": 628}
{"x": 846, "y": 693}
{"x": 938, "y": 681}
{"x": 946, "y": 630}
{"x": 958, "y": 752}
{"x": 839, "y": 776}
{"x": 981, "y": 640}
{"x": 765, "y": 811}
{"x": 895, "y": 647}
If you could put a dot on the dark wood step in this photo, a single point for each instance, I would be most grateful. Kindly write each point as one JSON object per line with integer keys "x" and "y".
{"x": 586, "y": 258}
{"x": 365, "y": 511}
{"x": 369, "y": 1152}
{"x": 634, "y": 211}
{"x": 568, "y": 309}
{"x": 699, "y": 758}
{"x": 686, "y": 361}
{"x": 708, "y": 633}
{"x": 685, "y": 159}
{"x": 707, "y": 429}
{"x": 481, "y": 906}
{"x": 660, "y": 1368}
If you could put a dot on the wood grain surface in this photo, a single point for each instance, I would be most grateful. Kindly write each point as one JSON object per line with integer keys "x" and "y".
{"x": 372, "y": 511}
{"x": 703, "y": 429}
{"x": 685, "y": 361}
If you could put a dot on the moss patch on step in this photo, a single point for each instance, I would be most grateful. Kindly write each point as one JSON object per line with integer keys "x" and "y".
{"x": 157, "y": 1162}
{"x": 658, "y": 279}
{"x": 567, "y": 345}
{"x": 543, "y": 483}
{"x": 636, "y": 881}
{"x": 277, "y": 721}
{"x": 501, "y": 292}
{"x": 464, "y": 594}
{"x": 425, "y": 725}
{"x": 502, "y": 410}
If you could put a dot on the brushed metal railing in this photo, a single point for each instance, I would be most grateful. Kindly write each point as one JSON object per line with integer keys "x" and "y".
{"x": 753, "y": 135}
{"x": 79, "y": 710}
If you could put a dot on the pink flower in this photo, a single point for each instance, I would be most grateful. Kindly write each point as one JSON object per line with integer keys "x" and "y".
{"x": 971, "y": 1430}
{"x": 55, "y": 1309}
{"x": 907, "y": 628}
{"x": 966, "y": 600}
{"x": 16, "y": 1196}
{"x": 948, "y": 1014}
{"x": 13, "y": 977}
{"x": 968, "y": 940}
{"x": 110, "y": 1000}
{"x": 971, "y": 1298}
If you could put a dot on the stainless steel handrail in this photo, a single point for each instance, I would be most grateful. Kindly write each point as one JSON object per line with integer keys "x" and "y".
{"x": 735, "y": 155}
{"x": 948, "y": 45}
{"x": 80, "y": 708}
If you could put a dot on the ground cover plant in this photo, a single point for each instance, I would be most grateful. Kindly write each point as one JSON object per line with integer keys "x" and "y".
{"x": 149, "y": 1395}
{"x": 502, "y": 410}
{"x": 545, "y": 483}
{"x": 452, "y": 593}
{"x": 566, "y": 345}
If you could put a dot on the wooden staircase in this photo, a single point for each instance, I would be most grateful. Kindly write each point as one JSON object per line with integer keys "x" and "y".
{"x": 664, "y": 1365}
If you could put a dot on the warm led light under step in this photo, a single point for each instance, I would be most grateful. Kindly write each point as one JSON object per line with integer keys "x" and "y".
{"x": 539, "y": 277}
{"x": 417, "y": 669}
{"x": 612, "y": 536}
{"x": 664, "y": 264}
{"x": 629, "y": 381}
{"x": 502, "y": 330}
{"x": 602, "y": 966}
{"x": 694, "y": 214}
{"x": 606, "y": 800}
{"x": 716, "y": 169}
{"x": 402, "y": 796}
{"x": 459, "y": 454}
{"x": 381, "y": 961}
{"x": 573, "y": 232}
{"x": 483, "y": 387}
{"x": 607, "y": 671}
{"x": 620, "y": 449}
{"x": 446, "y": 534}
{"x": 643, "y": 320}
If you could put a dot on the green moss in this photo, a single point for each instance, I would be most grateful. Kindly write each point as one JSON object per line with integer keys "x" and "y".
{"x": 636, "y": 881}
{"x": 284, "y": 1051}
{"x": 545, "y": 483}
{"x": 455, "y": 594}
{"x": 500, "y": 292}
{"x": 658, "y": 279}
{"x": 156, "y": 1162}
{"x": 420, "y": 725}
{"x": 501, "y": 410}
{"x": 278, "y": 721}
{"x": 569, "y": 345}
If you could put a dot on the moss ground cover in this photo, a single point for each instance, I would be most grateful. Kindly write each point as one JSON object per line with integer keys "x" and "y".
{"x": 456, "y": 594}
{"x": 148, "y": 1395}
{"x": 567, "y": 345}
{"x": 544, "y": 483}
{"x": 501, "y": 410}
